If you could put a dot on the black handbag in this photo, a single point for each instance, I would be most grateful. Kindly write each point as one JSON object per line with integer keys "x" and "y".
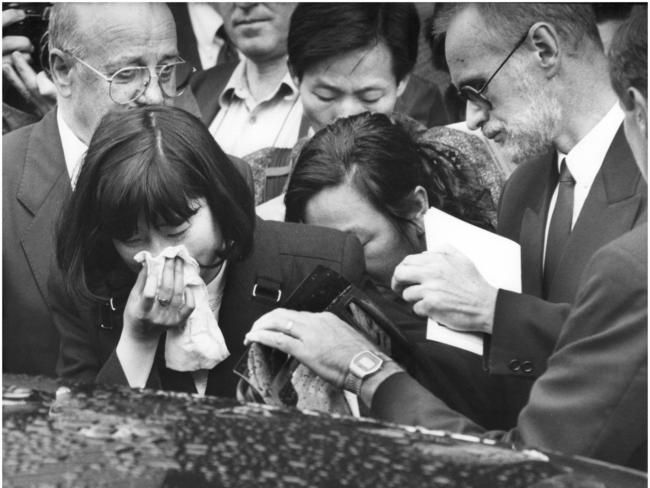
{"x": 266, "y": 373}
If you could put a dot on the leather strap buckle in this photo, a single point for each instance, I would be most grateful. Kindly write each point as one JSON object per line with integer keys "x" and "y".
{"x": 264, "y": 293}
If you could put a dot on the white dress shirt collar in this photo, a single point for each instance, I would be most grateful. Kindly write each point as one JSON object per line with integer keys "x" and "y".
{"x": 587, "y": 156}
{"x": 238, "y": 86}
{"x": 74, "y": 149}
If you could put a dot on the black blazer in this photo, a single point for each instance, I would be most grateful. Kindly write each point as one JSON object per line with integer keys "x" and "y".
{"x": 34, "y": 184}
{"x": 526, "y": 327}
{"x": 283, "y": 255}
{"x": 593, "y": 398}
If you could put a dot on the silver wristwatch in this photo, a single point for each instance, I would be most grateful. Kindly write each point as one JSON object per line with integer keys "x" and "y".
{"x": 361, "y": 366}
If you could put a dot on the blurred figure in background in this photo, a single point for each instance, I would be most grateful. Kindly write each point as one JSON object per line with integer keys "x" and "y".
{"x": 252, "y": 104}
{"x": 609, "y": 17}
{"x": 202, "y": 38}
{"x": 27, "y": 92}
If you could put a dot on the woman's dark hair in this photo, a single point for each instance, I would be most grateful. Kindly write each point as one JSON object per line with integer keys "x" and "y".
{"x": 147, "y": 162}
{"x": 385, "y": 163}
{"x": 319, "y": 31}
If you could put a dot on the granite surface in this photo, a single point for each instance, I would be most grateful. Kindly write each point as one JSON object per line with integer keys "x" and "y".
{"x": 97, "y": 436}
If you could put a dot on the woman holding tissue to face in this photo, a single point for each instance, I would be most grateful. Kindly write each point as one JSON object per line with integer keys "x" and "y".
{"x": 165, "y": 266}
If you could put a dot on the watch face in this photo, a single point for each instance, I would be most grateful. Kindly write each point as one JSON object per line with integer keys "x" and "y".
{"x": 365, "y": 363}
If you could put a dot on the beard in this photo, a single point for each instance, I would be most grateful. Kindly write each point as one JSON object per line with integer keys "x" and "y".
{"x": 529, "y": 134}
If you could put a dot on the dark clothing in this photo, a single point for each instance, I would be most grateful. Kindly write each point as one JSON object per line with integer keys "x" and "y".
{"x": 592, "y": 398}
{"x": 526, "y": 327}
{"x": 34, "y": 184}
{"x": 283, "y": 254}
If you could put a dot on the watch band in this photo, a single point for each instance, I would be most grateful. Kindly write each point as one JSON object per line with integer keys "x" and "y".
{"x": 352, "y": 383}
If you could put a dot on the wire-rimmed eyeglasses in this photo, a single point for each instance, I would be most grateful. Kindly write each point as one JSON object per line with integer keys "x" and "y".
{"x": 129, "y": 83}
{"x": 469, "y": 93}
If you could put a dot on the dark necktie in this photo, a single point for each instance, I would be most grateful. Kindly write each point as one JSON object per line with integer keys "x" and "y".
{"x": 560, "y": 228}
{"x": 228, "y": 51}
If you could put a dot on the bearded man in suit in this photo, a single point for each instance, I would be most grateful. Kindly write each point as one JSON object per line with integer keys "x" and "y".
{"x": 94, "y": 50}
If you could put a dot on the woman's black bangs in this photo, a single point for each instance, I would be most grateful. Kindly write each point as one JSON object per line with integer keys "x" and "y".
{"x": 148, "y": 187}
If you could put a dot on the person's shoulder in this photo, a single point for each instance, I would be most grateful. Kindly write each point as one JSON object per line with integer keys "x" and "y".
{"x": 14, "y": 150}
{"x": 631, "y": 248}
{"x": 17, "y": 137}
{"x": 620, "y": 267}
{"x": 530, "y": 171}
{"x": 306, "y": 240}
{"x": 214, "y": 78}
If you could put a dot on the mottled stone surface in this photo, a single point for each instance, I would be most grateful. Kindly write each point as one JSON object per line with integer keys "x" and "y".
{"x": 96, "y": 436}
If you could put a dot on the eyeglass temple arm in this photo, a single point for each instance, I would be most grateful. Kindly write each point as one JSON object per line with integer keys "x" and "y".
{"x": 104, "y": 77}
{"x": 519, "y": 43}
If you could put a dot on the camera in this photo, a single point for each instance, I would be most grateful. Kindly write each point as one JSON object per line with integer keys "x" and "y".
{"x": 33, "y": 26}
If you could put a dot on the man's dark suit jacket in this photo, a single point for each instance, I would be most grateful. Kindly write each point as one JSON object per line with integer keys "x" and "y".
{"x": 421, "y": 100}
{"x": 526, "y": 327}
{"x": 35, "y": 183}
{"x": 284, "y": 254}
{"x": 592, "y": 399}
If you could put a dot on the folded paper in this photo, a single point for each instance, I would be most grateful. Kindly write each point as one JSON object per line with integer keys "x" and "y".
{"x": 200, "y": 343}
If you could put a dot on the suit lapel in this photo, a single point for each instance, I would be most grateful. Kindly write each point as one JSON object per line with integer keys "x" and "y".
{"x": 43, "y": 187}
{"x": 533, "y": 226}
{"x": 614, "y": 198}
{"x": 44, "y": 163}
{"x": 208, "y": 87}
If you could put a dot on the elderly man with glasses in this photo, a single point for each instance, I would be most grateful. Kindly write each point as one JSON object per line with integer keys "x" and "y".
{"x": 102, "y": 57}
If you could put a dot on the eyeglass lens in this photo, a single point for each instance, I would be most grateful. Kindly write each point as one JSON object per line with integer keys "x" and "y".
{"x": 469, "y": 93}
{"x": 129, "y": 83}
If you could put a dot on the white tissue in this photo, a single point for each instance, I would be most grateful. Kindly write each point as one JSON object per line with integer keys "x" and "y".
{"x": 200, "y": 344}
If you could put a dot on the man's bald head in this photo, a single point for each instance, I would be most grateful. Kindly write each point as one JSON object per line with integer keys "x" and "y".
{"x": 90, "y": 42}
{"x": 73, "y": 27}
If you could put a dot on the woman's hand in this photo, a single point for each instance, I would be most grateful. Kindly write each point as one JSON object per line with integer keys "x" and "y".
{"x": 152, "y": 307}
{"x": 320, "y": 341}
{"x": 150, "y": 310}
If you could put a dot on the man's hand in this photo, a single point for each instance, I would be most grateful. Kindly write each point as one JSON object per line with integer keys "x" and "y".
{"x": 444, "y": 285}
{"x": 320, "y": 341}
{"x": 13, "y": 43}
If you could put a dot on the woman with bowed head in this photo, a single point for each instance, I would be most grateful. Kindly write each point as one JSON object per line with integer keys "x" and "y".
{"x": 164, "y": 265}
{"x": 367, "y": 175}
